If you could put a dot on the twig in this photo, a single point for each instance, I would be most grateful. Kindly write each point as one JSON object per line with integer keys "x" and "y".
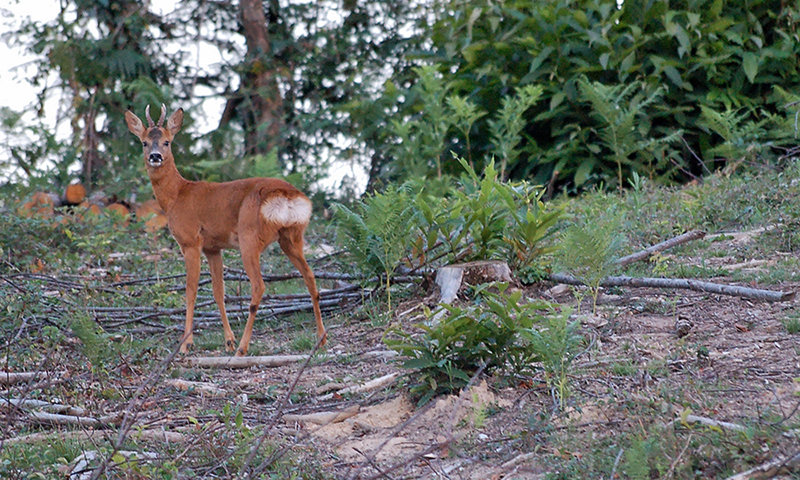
{"x": 770, "y": 469}
{"x": 131, "y": 409}
{"x": 679, "y": 283}
{"x": 677, "y": 459}
{"x": 616, "y": 464}
{"x": 711, "y": 423}
{"x": 373, "y": 384}
{"x": 275, "y": 416}
{"x": 660, "y": 247}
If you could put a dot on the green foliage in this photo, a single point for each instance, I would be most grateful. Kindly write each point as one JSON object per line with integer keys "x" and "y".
{"x": 94, "y": 343}
{"x": 448, "y": 353}
{"x": 506, "y": 129}
{"x": 589, "y": 247}
{"x": 743, "y": 139}
{"x": 489, "y": 218}
{"x": 669, "y": 59}
{"x": 624, "y": 127}
{"x": 556, "y": 341}
{"x": 376, "y": 231}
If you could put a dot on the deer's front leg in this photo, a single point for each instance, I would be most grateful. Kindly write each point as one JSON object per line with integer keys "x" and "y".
{"x": 191, "y": 256}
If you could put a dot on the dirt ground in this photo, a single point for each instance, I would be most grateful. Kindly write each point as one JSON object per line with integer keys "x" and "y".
{"x": 734, "y": 362}
{"x": 653, "y": 357}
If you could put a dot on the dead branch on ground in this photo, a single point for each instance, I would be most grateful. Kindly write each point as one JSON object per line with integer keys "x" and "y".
{"x": 680, "y": 283}
{"x": 660, "y": 247}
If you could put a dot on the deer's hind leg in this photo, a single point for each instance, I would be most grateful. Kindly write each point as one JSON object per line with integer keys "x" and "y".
{"x": 291, "y": 241}
{"x": 218, "y": 284}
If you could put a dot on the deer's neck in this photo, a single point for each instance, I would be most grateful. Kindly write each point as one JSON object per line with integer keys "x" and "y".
{"x": 167, "y": 183}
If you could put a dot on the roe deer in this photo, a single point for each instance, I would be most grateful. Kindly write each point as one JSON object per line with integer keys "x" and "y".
{"x": 208, "y": 217}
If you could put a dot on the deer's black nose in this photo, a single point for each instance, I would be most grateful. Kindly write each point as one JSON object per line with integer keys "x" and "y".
{"x": 155, "y": 158}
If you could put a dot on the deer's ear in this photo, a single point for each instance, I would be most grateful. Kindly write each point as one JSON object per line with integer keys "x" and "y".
{"x": 175, "y": 122}
{"x": 134, "y": 124}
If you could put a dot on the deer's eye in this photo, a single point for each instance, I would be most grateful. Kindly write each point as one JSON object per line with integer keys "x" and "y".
{"x": 166, "y": 144}
{"x": 144, "y": 144}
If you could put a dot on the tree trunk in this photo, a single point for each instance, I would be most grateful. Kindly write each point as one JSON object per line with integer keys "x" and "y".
{"x": 93, "y": 162}
{"x": 259, "y": 104}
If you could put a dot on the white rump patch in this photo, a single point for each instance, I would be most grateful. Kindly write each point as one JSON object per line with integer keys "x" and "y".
{"x": 284, "y": 211}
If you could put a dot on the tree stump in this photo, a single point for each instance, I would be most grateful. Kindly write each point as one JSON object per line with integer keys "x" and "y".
{"x": 452, "y": 278}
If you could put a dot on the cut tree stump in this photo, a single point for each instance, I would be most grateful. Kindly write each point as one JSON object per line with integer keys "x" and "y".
{"x": 451, "y": 278}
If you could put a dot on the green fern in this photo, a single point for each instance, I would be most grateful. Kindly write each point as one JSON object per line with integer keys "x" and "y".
{"x": 507, "y": 127}
{"x": 94, "y": 344}
{"x": 743, "y": 138}
{"x": 589, "y": 248}
{"x": 625, "y": 123}
{"x": 377, "y": 231}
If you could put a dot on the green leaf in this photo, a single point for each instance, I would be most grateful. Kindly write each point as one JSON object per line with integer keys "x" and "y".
{"x": 750, "y": 65}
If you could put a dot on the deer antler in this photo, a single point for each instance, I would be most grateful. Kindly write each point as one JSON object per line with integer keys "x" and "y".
{"x": 150, "y": 123}
{"x": 163, "y": 115}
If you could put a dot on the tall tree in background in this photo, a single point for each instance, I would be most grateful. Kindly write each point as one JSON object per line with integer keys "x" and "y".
{"x": 258, "y": 103}
{"x": 288, "y": 87}
{"x": 98, "y": 50}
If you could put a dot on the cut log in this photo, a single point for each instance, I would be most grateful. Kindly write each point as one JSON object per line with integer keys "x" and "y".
{"x": 153, "y": 216}
{"x": 90, "y": 210}
{"x": 120, "y": 211}
{"x": 41, "y": 204}
{"x": 451, "y": 278}
{"x": 74, "y": 194}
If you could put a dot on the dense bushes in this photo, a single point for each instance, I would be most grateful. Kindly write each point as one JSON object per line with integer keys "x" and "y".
{"x": 669, "y": 72}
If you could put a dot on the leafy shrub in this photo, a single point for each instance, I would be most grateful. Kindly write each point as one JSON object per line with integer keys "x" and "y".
{"x": 488, "y": 218}
{"x": 497, "y": 334}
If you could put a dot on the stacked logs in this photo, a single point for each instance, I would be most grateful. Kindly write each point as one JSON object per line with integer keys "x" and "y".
{"x": 75, "y": 201}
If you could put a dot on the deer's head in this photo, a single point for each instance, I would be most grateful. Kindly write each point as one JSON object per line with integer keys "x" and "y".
{"x": 156, "y": 138}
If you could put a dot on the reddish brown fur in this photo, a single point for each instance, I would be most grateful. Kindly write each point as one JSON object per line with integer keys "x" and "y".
{"x": 209, "y": 217}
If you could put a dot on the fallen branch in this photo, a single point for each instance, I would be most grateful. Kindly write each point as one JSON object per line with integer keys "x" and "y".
{"x": 324, "y": 418}
{"x": 711, "y": 423}
{"x": 95, "y": 436}
{"x": 660, "y": 247}
{"x": 771, "y": 469}
{"x": 11, "y": 378}
{"x": 373, "y": 384}
{"x": 244, "y": 362}
{"x": 199, "y": 387}
{"x": 52, "y": 407}
{"x": 679, "y": 283}
{"x": 44, "y": 418}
